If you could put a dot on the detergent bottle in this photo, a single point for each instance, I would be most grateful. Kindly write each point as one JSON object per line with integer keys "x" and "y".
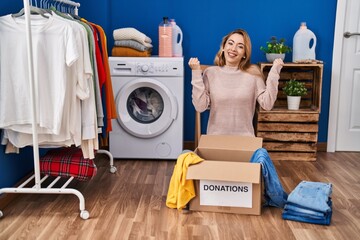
{"x": 301, "y": 44}
{"x": 165, "y": 38}
{"x": 177, "y": 38}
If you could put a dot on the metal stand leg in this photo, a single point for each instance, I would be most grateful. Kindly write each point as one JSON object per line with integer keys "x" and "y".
{"x": 113, "y": 169}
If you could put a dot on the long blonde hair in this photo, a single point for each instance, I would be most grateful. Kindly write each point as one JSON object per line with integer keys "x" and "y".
{"x": 245, "y": 63}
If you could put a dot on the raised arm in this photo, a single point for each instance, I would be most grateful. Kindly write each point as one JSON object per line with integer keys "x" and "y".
{"x": 268, "y": 92}
{"x": 200, "y": 90}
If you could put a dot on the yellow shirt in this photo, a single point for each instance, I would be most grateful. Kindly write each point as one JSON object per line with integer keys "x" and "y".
{"x": 181, "y": 191}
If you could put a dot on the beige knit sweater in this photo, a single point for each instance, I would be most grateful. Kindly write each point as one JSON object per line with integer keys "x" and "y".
{"x": 231, "y": 96}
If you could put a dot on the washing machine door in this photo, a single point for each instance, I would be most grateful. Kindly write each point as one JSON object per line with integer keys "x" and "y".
{"x": 145, "y": 107}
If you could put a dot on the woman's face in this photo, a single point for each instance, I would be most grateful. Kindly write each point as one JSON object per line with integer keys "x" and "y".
{"x": 234, "y": 50}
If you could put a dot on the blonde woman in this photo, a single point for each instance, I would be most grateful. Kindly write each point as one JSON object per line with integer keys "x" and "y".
{"x": 231, "y": 88}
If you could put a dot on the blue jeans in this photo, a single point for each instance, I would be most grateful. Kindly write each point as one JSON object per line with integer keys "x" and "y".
{"x": 308, "y": 218}
{"x": 324, "y": 221}
{"x": 274, "y": 194}
{"x": 303, "y": 211}
{"x": 312, "y": 195}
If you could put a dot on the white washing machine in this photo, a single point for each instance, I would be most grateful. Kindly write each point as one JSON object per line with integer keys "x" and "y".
{"x": 149, "y": 96}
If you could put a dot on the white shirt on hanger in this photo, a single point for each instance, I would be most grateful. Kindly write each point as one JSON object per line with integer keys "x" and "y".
{"x": 54, "y": 51}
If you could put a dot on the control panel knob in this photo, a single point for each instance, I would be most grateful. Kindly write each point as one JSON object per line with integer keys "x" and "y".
{"x": 144, "y": 68}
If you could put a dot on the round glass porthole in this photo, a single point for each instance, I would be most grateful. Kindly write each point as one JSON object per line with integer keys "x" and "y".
{"x": 145, "y": 105}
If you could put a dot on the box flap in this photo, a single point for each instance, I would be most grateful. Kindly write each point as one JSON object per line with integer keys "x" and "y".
{"x": 228, "y": 147}
{"x": 225, "y": 171}
{"x": 232, "y": 142}
{"x": 224, "y": 155}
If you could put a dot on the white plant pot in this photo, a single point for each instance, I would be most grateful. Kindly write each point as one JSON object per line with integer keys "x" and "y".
{"x": 270, "y": 57}
{"x": 293, "y": 102}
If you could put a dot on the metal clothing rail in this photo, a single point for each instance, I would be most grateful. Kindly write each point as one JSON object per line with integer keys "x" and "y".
{"x": 70, "y": 3}
{"x": 84, "y": 214}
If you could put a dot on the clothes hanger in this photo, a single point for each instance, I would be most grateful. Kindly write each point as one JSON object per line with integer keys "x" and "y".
{"x": 43, "y": 6}
{"x": 46, "y": 4}
{"x": 33, "y": 10}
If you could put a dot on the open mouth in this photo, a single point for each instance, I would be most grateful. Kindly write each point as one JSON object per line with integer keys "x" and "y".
{"x": 232, "y": 54}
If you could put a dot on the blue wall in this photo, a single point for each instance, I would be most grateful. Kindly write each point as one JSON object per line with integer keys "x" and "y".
{"x": 204, "y": 23}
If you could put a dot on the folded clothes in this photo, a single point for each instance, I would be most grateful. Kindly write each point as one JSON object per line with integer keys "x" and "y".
{"x": 293, "y": 217}
{"x": 132, "y": 33}
{"x": 132, "y": 44}
{"x": 129, "y": 52}
{"x": 303, "y": 211}
{"x": 303, "y": 215}
{"x": 311, "y": 195}
{"x": 309, "y": 202}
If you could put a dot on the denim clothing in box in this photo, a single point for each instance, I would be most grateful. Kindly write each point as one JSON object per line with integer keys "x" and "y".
{"x": 274, "y": 194}
{"x": 312, "y": 195}
{"x": 308, "y": 218}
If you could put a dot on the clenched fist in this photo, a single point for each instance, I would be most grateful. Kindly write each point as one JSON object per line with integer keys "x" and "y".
{"x": 278, "y": 64}
{"x": 194, "y": 64}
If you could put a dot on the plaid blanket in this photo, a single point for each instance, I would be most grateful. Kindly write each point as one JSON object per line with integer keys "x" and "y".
{"x": 67, "y": 162}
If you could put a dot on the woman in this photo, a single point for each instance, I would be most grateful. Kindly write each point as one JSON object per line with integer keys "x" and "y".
{"x": 231, "y": 88}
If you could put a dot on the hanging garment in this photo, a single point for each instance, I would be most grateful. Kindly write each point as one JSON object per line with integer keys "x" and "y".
{"x": 78, "y": 76}
{"x": 99, "y": 57}
{"x": 68, "y": 95}
{"x": 59, "y": 53}
{"x": 111, "y": 112}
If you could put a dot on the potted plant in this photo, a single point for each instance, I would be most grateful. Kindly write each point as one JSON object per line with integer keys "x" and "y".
{"x": 294, "y": 90}
{"x": 275, "y": 49}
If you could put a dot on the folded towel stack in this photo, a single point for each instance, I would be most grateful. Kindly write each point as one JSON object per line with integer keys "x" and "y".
{"x": 129, "y": 42}
{"x": 309, "y": 202}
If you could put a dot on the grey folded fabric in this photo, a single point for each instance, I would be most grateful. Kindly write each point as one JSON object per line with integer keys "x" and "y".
{"x": 133, "y": 34}
{"x": 132, "y": 44}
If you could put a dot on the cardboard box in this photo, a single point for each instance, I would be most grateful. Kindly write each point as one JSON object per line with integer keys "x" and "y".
{"x": 226, "y": 181}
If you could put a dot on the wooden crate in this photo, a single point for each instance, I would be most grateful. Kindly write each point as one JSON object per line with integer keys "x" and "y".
{"x": 292, "y": 134}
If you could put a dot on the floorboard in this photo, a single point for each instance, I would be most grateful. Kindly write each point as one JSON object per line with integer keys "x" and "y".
{"x": 130, "y": 204}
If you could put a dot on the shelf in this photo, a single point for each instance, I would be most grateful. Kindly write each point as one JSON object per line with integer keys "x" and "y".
{"x": 292, "y": 134}
{"x": 285, "y": 110}
{"x": 291, "y": 64}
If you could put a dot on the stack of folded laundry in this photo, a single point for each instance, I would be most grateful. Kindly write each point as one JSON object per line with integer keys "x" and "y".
{"x": 309, "y": 202}
{"x": 129, "y": 42}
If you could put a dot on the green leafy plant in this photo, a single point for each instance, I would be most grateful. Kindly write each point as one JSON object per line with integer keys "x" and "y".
{"x": 276, "y": 46}
{"x": 294, "y": 88}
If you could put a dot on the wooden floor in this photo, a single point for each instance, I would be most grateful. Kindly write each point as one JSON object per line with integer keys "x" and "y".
{"x": 131, "y": 205}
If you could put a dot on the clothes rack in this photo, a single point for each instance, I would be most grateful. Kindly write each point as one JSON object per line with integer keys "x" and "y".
{"x": 37, "y": 188}
{"x": 70, "y": 3}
